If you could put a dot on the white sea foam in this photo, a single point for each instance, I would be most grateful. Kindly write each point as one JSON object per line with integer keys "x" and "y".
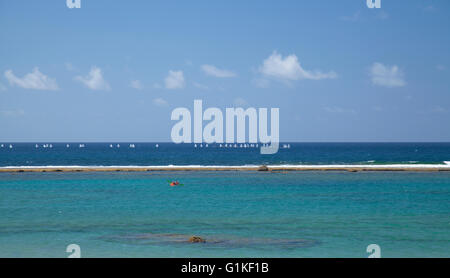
{"x": 285, "y": 166}
{"x": 393, "y": 166}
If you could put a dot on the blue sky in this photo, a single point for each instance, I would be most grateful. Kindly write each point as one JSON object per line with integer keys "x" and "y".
{"x": 115, "y": 70}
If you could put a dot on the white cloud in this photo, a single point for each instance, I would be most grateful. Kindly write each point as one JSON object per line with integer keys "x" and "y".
{"x": 34, "y": 80}
{"x": 200, "y": 86}
{"x": 160, "y": 102}
{"x": 387, "y": 76}
{"x": 175, "y": 80}
{"x": 94, "y": 80}
{"x": 289, "y": 68}
{"x": 136, "y": 84}
{"x": 213, "y": 71}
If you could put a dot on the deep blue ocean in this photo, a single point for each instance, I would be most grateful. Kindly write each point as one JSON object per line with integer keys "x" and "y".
{"x": 240, "y": 214}
{"x": 148, "y": 154}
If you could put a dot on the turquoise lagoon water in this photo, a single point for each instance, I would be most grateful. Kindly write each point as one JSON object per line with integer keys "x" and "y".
{"x": 240, "y": 214}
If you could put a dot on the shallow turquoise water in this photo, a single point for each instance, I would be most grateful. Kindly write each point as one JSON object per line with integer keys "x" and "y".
{"x": 241, "y": 214}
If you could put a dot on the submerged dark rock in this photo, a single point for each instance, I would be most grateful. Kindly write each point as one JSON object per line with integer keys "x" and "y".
{"x": 263, "y": 168}
{"x": 196, "y": 239}
{"x": 217, "y": 240}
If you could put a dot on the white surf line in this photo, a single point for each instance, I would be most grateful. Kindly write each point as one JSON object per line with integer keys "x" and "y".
{"x": 350, "y": 166}
{"x": 240, "y": 167}
{"x": 126, "y": 166}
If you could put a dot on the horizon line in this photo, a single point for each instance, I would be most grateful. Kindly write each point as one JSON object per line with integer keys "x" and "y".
{"x": 165, "y": 142}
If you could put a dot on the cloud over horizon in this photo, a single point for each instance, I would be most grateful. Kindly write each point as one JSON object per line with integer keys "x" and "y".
{"x": 216, "y": 72}
{"x": 94, "y": 80}
{"x": 387, "y": 76}
{"x": 35, "y": 80}
{"x": 175, "y": 80}
{"x": 289, "y": 69}
{"x": 160, "y": 102}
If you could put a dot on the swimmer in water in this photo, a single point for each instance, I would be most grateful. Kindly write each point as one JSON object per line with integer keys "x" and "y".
{"x": 175, "y": 183}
